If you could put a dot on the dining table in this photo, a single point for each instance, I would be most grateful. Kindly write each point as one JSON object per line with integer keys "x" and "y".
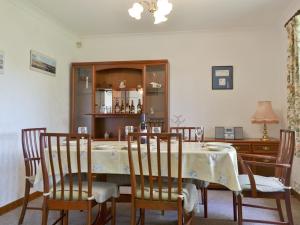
{"x": 215, "y": 162}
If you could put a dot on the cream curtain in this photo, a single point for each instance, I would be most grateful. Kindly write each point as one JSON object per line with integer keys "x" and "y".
{"x": 293, "y": 88}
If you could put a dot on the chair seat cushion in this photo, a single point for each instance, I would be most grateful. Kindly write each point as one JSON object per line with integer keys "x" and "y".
{"x": 263, "y": 184}
{"x": 189, "y": 194}
{"x": 101, "y": 191}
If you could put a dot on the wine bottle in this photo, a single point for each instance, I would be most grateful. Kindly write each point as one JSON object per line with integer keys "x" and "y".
{"x": 122, "y": 107}
{"x": 117, "y": 107}
{"x": 143, "y": 127}
{"x": 127, "y": 107}
{"x": 132, "y": 108}
{"x": 139, "y": 107}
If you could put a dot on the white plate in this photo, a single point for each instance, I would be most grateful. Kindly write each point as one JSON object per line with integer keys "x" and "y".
{"x": 223, "y": 144}
{"x": 103, "y": 147}
{"x": 215, "y": 148}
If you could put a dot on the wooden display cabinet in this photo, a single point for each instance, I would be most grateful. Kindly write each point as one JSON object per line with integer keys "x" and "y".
{"x": 97, "y": 86}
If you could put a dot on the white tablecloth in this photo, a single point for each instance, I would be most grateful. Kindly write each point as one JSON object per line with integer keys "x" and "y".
{"x": 197, "y": 162}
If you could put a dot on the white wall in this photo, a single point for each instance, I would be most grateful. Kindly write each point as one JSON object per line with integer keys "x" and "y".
{"x": 254, "y": 53}
{"x": 28, "y": 98}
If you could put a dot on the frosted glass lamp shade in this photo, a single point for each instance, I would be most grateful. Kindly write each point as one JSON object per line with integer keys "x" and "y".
{"x": 136, "y": 10}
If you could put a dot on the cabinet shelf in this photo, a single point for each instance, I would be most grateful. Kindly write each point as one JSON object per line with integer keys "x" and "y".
{"x": 115, "y": 115}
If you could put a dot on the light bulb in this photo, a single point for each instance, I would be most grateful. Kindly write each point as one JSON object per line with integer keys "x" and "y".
{"x": 136, "y": 10}
{"x": 164, "y": 6}
{"x": 159, "y": 18}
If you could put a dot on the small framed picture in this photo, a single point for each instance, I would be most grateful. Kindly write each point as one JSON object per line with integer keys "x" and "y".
{"x": 1, "y": 62}
{"x": 42, "y": 63}
{"x": 222, "y": 77}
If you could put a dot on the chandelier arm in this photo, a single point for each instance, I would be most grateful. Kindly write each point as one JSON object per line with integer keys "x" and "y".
{"x": 152, "y": 5}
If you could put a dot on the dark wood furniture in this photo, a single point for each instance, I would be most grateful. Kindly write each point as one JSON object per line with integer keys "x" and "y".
{"x": 68, "y": 188}
{"x": 31, "y": 153}
{"x": 282, "y": 165}
{"x": 254, "y": 146}
{"x": 98, "y": 84}
{"x": 149, "y": 191}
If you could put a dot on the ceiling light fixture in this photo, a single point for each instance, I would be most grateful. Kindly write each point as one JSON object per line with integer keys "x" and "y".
{"x": 158, "y": 8}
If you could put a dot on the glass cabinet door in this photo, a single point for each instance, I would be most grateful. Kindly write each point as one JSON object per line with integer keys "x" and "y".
{"x": 82, "y": 98}
{"x": 156, "y": 107}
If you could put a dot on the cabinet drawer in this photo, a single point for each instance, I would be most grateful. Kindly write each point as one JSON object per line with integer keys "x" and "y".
{"x": 242, "y": 147}
{"x": 265, "y": 148}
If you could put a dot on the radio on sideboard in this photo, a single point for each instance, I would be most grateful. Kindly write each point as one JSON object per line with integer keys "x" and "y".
{"x": 229, "y": 133}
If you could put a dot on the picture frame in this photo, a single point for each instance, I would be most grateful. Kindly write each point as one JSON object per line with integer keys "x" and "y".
{"x": 222, "y": 77}
{"x": 42, "y": 63}
{"x": 2, "y": 62}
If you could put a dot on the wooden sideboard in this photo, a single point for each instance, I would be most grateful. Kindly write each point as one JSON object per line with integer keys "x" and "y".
{"x": 253, "y": 146}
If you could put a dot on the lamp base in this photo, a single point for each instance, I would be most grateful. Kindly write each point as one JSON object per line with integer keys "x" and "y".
{"x": 265, "y": 136}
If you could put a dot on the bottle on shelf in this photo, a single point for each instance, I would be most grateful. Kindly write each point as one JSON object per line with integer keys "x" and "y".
{"x": 132, "y": 107}
{"x": 122, "y": 110}
{"x": 139, "y": 107}
{"x": 143, "y": 127}
{"x": 117, "y": 107}
{"x": 127, "y": 107}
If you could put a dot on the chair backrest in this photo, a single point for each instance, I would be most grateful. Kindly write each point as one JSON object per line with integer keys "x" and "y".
{"x": 31, "y": 149}
{"x": 152, "y": 162}
{"x": 285, "y": 155}
{"x": 62, "y": 167}
{"x": 188, "y": 133}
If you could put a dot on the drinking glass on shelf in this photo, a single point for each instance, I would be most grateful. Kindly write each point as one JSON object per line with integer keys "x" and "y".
{"x": 199, "y": 133}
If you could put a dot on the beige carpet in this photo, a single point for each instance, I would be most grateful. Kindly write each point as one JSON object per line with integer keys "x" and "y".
{"x": 220, "y": 213}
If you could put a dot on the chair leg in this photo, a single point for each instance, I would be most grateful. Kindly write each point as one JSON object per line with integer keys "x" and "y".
{"x": 25, "y": 201}
{"x": 133, "y": 214}
{"x": 62, "y": 216}
{"x": 202, "y": 195}
{"x": 240, "y": 209}
{"x": 113, "y": 211}
{"x": 279, "y": 208}
{"x": 45, "y": 212}
{"x": 142, "y": 213}
{"x": 89, "y": 215}
{"x": 234, "y": 206}
{"x": 180, "y": 212}
{"x": 205, "y": 202}
{"x": 288, "y": 207}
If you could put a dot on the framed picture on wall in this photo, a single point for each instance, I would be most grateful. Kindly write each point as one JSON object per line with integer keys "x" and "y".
{"x": 222, "y": 77}
{"x": 42, "y": 63}
{"x": 1, "y": 62}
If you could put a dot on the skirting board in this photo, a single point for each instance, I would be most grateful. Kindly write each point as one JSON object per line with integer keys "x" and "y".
{"x": 15, "y": 204}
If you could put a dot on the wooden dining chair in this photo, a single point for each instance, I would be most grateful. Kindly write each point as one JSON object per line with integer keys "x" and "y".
{"x": 31, "y": 153}
{"x": 150, "y": 165}
{"x": 188, "y": 134}
{"x": 277, "y": 187}
{"x": 66, "y": 186}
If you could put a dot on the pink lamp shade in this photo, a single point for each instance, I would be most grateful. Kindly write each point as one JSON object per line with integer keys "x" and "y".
{"x": 264, "y": 113}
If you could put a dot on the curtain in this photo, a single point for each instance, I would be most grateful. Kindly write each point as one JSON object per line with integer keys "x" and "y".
{"x": 293, "y": 90}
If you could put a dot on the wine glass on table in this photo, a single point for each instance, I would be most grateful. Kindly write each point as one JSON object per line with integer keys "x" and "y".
{"x": 199, "y": 131}
{"x": 82, "y": 130}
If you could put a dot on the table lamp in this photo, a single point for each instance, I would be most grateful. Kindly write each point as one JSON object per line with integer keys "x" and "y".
{"x": 264, "y": 114}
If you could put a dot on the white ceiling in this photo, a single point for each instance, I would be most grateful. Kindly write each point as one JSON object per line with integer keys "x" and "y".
{"x": 94, "y": 17}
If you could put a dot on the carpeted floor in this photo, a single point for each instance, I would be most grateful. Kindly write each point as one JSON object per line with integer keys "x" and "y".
{"x": 220, "y": 213}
